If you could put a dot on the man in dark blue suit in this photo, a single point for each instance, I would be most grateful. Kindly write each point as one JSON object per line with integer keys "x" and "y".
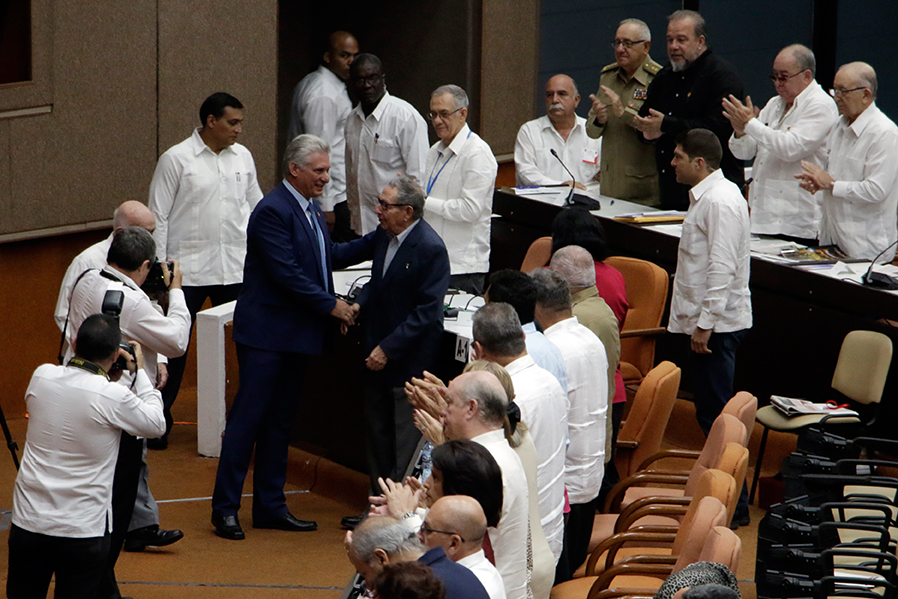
{"x": 402, "y": 307}
{"x": 283, "y": 310}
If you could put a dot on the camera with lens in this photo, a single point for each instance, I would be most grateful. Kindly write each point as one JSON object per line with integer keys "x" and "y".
{"x": 155, "y": 283}
{"x": 120, "y": 362}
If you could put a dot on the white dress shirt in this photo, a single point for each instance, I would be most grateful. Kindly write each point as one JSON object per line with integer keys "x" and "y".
{"x": 486, "y": 573}
{"x": 587, "y": 390}
{"x": 390, "y": 140}
{"x": 459, "y": 184}
{"x": 202, "y": 201}
{"x": 320, "y": 107}
{"x": 710, "y": 288}
{"x": 75, "y": 423}
{"x": 92, "y": 257}
{"x": 535, "y": 165}
{"x": 544, "y": 407}
{"x": 859, "y": 215}
{"x": 779, "y": 140}
{"x": 509, "y": 539}
{"x": 140, "y": 320}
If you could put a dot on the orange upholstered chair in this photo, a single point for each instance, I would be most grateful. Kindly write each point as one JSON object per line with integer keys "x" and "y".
{"x": 647, "y": 288}
{"x": 686, "y": 548}
{"x": 743, "y": 406}
{"x": 726, "y": 429}
{"x": 641, "y": 434}
{"x": 655, "y": 514}
{"x": 538, "y": 254}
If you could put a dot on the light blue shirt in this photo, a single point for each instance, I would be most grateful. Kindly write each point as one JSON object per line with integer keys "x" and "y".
{"x": 545, "y": 354}
{"x": 393, "y": 246}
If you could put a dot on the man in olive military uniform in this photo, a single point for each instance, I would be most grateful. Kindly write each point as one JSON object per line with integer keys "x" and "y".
{"x": 628, "y": 165}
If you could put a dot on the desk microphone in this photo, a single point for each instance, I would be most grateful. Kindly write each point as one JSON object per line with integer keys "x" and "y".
{"x": 878, "y": 279}
{"x": 570, "y": 194}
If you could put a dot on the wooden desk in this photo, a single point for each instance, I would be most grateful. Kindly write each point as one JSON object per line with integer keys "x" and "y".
{"x": 800, "y": 317}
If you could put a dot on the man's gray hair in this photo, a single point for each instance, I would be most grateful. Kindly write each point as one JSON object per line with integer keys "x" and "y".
{"x": 644, "y": 30}
{"x": 498, "y": 329}
{"x": 552, "y": 293}
{"x": 384, "y": 532}
{"x": 804, "y": 58}
{"x": 576, "y": 267}
{"x": 458, "y": 94}
{"x": 131, "y": 247}
{"x": 301, "y": 148}
{"x": 484, "y": 388}
{"x": 698, "y": 21}
{"x": 409, "y": 193}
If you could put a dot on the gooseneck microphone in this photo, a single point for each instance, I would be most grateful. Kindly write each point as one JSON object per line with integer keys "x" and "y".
{"x": 878, "y": 279}
{"x": 570, "y": 194}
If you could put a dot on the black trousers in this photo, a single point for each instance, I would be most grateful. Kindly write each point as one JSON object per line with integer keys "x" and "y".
{"x": 124, "y": 494}
{"x": 33, "y": 559}
{"x": 390, "y": 433}
{"x": 342, "y": 229}
{"x": 260, "y": 419}
{"x": 195, "y": 298}
{"x": 577, "y": 532}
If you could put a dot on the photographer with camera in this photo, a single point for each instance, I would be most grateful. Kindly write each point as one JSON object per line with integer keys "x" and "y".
{"x": 131, "y": 257}
{"x": 61, "y": 519}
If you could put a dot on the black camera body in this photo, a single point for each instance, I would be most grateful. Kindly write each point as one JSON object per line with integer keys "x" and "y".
{"x": 120, "y": 362}
{"x": 155, "y": 282}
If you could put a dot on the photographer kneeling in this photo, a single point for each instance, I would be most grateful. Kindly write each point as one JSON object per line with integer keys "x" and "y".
{"x": 62, "y": 503}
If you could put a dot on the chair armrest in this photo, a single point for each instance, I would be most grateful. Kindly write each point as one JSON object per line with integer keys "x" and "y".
{"x": 621, "y": 444}
{"x": 643, "y": 332}
{"x": 626, "y": 594}
{"x": 660, "y": 567}
{"x": 614, "y": 542}
{"x": 672, "y": 510}
{"x": 683, "y": 454}
{"x": 616, "y": 495}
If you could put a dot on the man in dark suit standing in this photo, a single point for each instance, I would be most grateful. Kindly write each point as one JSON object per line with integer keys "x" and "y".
{"x": 403, "y": 310}
{"x": 282, "y": 313}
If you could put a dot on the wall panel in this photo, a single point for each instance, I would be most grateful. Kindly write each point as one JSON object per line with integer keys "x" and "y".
{"x": 226, "y": 46}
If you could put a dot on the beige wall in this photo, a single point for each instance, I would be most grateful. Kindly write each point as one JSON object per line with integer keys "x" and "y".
{"x": 228, "y": 46}
{"x": 96, "y": 71}
{"x": 510, "y": 50}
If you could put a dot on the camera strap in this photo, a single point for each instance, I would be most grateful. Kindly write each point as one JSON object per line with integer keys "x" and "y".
{"x": 68, "y": 314}
{"x": 88, "y": 366}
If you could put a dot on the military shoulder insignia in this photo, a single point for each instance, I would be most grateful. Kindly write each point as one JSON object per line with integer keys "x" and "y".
{"x": 640, "y": 93}
{"x": 609, "y": 67}
{"x": 651, "y": 67}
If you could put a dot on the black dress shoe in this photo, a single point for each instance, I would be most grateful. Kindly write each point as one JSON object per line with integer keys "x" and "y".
{"x": 228, "y": 527}
{"x": 151, "y": 536}
{"x": 285, "y": 521}
{"x": 350, "y": 522}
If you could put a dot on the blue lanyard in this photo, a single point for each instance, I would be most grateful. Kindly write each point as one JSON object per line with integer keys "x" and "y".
{"x": 433, "y": 179}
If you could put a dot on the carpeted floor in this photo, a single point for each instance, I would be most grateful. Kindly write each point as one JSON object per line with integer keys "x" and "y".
{"x": 277, "y": 564}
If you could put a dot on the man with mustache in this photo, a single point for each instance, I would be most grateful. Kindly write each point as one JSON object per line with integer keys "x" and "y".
{"x": 564, "y": 132}
{"x": 687, "y": 94}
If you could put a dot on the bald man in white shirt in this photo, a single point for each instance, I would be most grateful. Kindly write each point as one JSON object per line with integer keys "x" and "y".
{"x": 860, "y": 183}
